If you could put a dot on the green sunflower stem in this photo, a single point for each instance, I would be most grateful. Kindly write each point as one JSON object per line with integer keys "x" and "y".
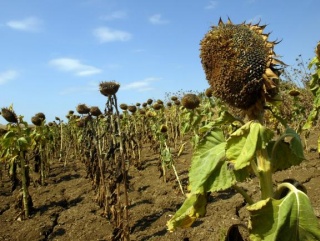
{"x": 25, "y": 191}
{"x": 265, "y": 174}
{"x": 243, "y": 193}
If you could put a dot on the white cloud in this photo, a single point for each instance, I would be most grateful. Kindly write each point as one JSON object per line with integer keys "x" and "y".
{"x": 7, "y": 76}
{"x": 115, "y": 15}
{"x": 30, "y": 24}
{"x": 105, "y": 34}
{"x": 74, "y": 66}
{"x": 142, "y": 85}
{"x": 157, "y": 19}
{"x": 212, "y": 5}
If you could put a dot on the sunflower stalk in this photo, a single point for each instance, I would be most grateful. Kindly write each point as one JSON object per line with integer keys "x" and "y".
{"x": 265, "y": 174}
{"x": 124, "y": 172}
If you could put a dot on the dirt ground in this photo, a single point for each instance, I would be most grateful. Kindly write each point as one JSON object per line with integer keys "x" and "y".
{"x": 65, "y": 209}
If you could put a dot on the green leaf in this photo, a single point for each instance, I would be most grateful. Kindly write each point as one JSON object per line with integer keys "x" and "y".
{"x": 9, "y": 135}
{"x": 243, "y": 143}
{"x": 288, "y": 219}
{"x": 22, "y": 143}
{"x": 316, "y": 101}
{"x": 224, "y": 118}
{"x": 313, "y": 115}
{"x": 285, "y": 154}
{"x": 192, "y": 208}
{"x": 209, "y": 171}
{"x": 314, "y": 61}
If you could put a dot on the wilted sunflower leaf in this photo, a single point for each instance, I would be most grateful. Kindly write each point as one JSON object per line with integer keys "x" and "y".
{"x": 192, "y": 208}
{"x": 243, "y": 143}
{"x": 285, "y": 154}
{"x": 289, "y": 219}
{"x": 209, "y": 171}
{"x": 22, "y": 143}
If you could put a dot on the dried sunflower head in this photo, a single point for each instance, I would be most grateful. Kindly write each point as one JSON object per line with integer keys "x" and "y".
{"x": 209, "y": 92}
{"x": 81, "y": 123}
{"x": 190, "y": 101}
{"x": 9, "y": 115}
{"x": 132, "y": 108}
{"x": 41, "y": 116}
{"x": 142, "y": 111}
{"x": 95, "y": 111}
{"x": 294, "y": 92}
{"x": 157, "y": 106}
{"x": 174, "y": 98}
{"x": 123, "y": 106}
{"x": 108, "y": 88}
{"x": 239, "y": 63}
{"x": 160, "y": 102}
{"x": 36, "y": 120}
{"x": 83, "y": 109}
{"x": 149, "y": 101}
{"x": 177, "y": 102}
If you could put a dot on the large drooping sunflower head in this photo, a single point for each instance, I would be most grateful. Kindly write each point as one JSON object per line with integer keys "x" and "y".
{"x": 239, "y": 63}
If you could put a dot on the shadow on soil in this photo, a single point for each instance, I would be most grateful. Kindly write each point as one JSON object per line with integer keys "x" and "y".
{"x": 62, "y": 203}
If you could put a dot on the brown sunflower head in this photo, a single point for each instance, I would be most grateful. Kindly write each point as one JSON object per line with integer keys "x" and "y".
{"x": 142, "y": 111}
{"x": 95, "y": 111}
{"x": 149, "y": 101}
{"x": 108, "y": 88}
{"x": 36, "y": 120}
{"x": 132, "y": 108}
{"x": 239, "y": 64}
{"x": 144, "y": 104}
{"x": 81, "y": 123}
{"x": 123, "y": 106}
{"x": 294, "y": 92}
{"x": 177, "y": 102}
{"x": 174, "y": 98}
{"x": 41, "y": 116}
{"x": 190, "y": 101}
{"x": 208, "y": 92}
{"x": 83, "y": 109}
{"x": 9, "y": 115}
{"x": 157, "y": 106}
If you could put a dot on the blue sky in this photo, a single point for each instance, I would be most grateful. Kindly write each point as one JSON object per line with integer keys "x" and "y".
{"x": 54, "y": 53}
